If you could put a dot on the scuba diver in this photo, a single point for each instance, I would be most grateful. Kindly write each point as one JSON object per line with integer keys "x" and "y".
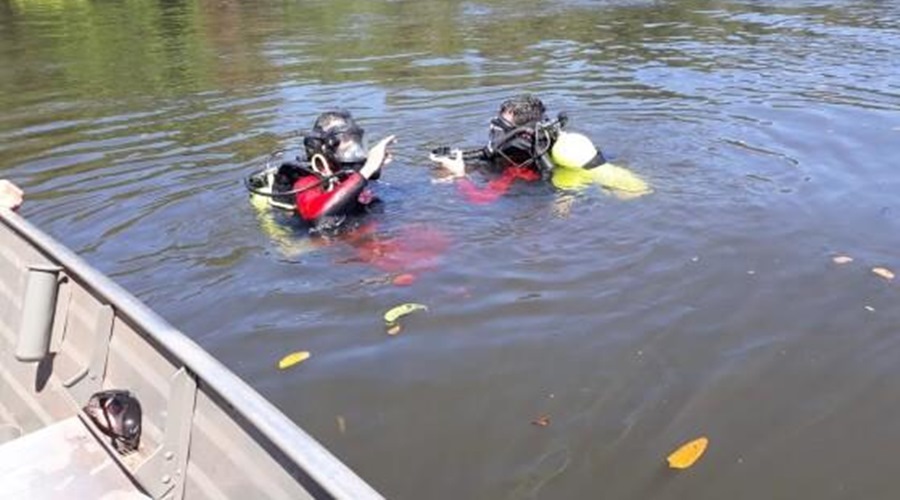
{"x": 523, "y": 144}
{"x": 332, "y": 184}
{"x": 519, "y": 142}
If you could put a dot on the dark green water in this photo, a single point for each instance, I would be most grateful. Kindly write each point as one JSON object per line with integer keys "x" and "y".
{"x": 768, "y": 130}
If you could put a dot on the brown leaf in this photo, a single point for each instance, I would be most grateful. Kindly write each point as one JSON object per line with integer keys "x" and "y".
{"x": 394, "y": 329}
{"x": 542, "y": 421}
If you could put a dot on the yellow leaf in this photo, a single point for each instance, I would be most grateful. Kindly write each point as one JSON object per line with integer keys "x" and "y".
{"x": 688, "y": 453}
{"x": 883, "y": 272}
{"x": 397, "y": 312}
{"x": 292, "y": 359}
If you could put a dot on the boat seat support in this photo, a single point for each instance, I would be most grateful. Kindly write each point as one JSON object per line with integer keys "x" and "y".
{"x": 90, "y": 379}
{"x": 164, "y": 472}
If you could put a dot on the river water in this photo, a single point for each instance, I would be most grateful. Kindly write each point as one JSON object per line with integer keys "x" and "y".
{"x": 712, "y": 307}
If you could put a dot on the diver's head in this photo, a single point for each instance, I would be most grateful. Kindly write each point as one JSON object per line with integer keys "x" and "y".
{"x": 337, "y": 137}
{"x": 573, "y": 150}
{"x": 522, "y": 113}
{"x": 522, "y": 110}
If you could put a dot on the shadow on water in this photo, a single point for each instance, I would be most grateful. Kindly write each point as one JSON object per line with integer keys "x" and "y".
{"x": 711, "y": 307}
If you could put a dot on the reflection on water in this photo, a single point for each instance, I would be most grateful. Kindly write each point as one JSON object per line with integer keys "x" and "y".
{"x": 709, "y": 307}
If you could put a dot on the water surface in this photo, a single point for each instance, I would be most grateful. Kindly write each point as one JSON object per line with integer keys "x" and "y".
{"x": 711, "y": 307}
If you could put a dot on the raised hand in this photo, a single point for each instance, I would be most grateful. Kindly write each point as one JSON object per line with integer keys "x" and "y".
{"x": 379, "y": 155}
{"x": 455, "y": 165}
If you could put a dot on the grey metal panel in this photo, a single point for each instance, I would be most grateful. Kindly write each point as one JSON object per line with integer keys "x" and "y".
{"x": 61, "y": 461}
{"x": 240, "y": 444}
{"x": 243, "y": 471}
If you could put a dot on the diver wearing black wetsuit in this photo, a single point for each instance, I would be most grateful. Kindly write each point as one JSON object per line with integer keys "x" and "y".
{"x": 332, "y": 184}
{"x": 519, "y": 142}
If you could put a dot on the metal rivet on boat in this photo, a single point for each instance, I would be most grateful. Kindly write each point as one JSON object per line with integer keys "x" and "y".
{"x": 166, "y": 479}
{"x": 169, "y": 455}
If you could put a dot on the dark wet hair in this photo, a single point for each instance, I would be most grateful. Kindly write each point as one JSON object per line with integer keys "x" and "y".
{"x": 525, "y": 109}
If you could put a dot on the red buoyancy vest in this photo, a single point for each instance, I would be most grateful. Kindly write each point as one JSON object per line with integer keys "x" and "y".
{"x": 314, "y": 201}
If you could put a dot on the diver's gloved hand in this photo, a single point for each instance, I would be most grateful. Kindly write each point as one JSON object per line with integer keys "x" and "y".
{"x": 379, "y": 156}
{"x": 455, "y": 165}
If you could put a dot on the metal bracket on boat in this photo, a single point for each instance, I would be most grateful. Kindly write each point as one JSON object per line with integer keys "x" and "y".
{"x": 96, "y": 366}
{"x": 63, "y": 305}
{"x": 38, "y": 310}
{"x": 164, "y": 472}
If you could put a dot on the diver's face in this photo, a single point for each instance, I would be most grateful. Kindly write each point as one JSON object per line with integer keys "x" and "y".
{"x": 348, "y": 145}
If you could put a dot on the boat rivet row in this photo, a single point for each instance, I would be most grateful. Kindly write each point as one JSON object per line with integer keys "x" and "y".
{"x": 166, "y": 479}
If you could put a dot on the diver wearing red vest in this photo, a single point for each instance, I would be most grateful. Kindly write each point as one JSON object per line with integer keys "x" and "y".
{"x": 332, "y": 184}
{"x": 518, "y": 149}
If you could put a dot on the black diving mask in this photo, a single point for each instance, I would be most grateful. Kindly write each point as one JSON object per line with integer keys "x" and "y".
{"x": 117, "y": 414}
{"x": 343, "y": 144}
{"x": 511, "y": 142}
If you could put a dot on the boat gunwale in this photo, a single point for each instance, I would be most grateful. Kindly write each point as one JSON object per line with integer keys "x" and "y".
{"x": 331, "y": 475}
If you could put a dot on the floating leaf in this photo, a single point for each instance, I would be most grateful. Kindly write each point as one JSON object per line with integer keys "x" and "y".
{"x": 542, "y": 421}
{"x": 394, "y": 329}
{"x": 404, "y": 279}
{"x": 397, "y": 312}
{"x": 292, "y": 359}
{"x": 341, "y": 424}
{"x": 883, "y": 272}
{"x": 687, "y": 454}
{"x": 842, "y": 259}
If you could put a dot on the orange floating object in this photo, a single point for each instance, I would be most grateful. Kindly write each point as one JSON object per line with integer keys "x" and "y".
{"x": 404, "y": 279}
{"x": 688, "y": 453}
